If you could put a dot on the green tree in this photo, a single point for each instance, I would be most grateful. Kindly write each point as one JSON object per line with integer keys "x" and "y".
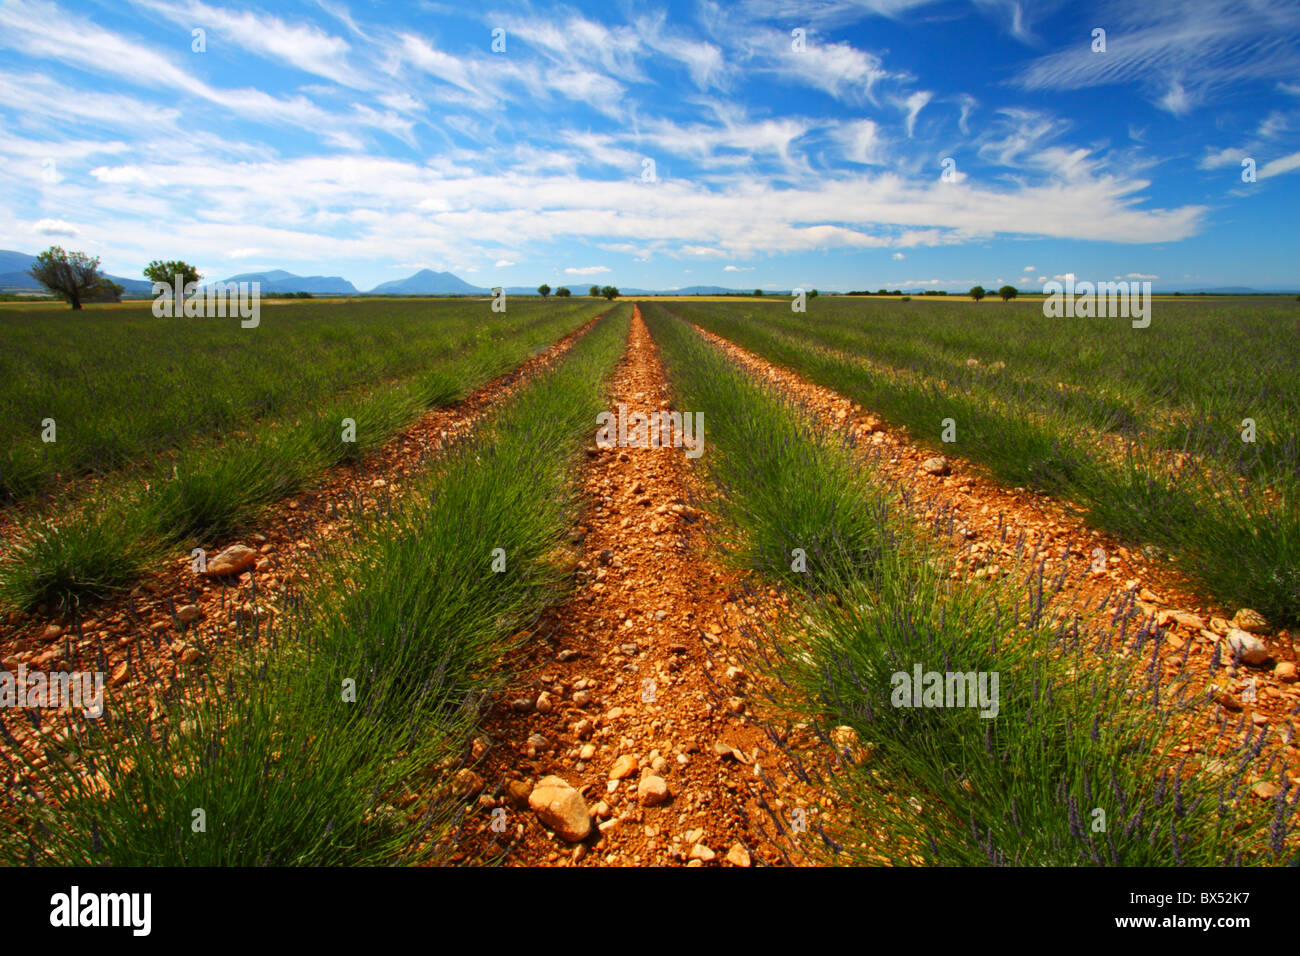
{"x": 562, "y": 293}
{"x": 812, "y": 294}
{"x": 758, "y": 292}
{"x": 72, "y": 276}
{"x": 166, "y": 272}
{"x": 610, "y": 292}
{"x": 543, "y": 290}
{"x": 977, "y": 292}
{"x": 1008, "y": 292}
{"x": 595, "y": 291}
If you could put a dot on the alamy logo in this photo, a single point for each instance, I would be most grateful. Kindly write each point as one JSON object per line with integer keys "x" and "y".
{"x": 657, "y": 429}
{"x": 103, "y": 909}
{"x": 80, "y": 689}
{"x": 216, "y": 300}
{"x": 1101, "y": 300}
{"x": 924, "y": 688}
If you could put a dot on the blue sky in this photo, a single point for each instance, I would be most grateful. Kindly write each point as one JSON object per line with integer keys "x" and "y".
{"x": 660, "y": 145}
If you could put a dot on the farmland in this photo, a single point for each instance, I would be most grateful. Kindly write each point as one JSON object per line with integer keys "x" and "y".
{"x": 1143, "y": 428}
{"x": 141, "y": 389}
{"x": 207, "y": 456}
{"x": 480, "y": 631}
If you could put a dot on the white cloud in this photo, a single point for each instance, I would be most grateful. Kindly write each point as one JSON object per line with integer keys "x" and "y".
{"x": 1139, "y": 275}
{"x": 702, "y": 141}
{"x": 1028, "y": 269}
{"x": 55, "y": 227}
{"x": 1279, "y": 166}
{"x": 1272, "y": 125}
{"x": 305, "y": 47}
{"x": 350, "y": 206}
{"x": 913, "y": 106}
{"x": 1217, "y": 159}
{"x": 899, "y": 256}
{"x": 861, "y": 142}
{"x": 40, "y": 29}
{"x": 737, "y": 268}
{"x": 703, "y": 61}
{"x": 503, "y": 264}
{"x": 839, "y": 69}
{"x": 585, "y": 270}
{"x": 1179, "y": 54}
{"x": 1177, "y": 100}
{"x": 968, "y": 104}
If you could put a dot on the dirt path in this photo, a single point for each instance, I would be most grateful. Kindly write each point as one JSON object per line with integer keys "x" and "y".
{"x": 145, "y": 631}
{"x": 633, "y": 692}
{"x": 992, "y": 518}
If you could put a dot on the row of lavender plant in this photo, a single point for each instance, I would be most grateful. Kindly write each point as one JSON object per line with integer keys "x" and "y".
{"x": 78, "y": 551}
{"x": 1075, "y": 744}
{"x": 334, "y": 739}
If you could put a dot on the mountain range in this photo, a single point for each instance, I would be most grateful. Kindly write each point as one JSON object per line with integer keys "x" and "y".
{"x": 14, "y": 278}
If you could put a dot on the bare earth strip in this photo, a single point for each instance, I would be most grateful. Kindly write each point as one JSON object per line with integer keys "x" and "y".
{"x": 141, "y": 633}
{"x": 992, "y": 518}
{"x": 632, "y": 691}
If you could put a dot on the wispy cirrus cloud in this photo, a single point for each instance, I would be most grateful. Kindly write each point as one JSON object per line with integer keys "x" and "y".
{"x": 1179, "y": 53}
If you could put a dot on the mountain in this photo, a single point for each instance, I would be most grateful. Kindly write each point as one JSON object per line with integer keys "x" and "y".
{"x": 428, "y": 282}
{"x": 14, "y": 261}
{"x": 13, "y": 275}
{"x": 277, "y": 280}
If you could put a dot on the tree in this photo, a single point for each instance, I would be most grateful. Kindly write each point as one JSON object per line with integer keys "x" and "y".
{"x": 562, "y": 293}
{"x": 106, "y": 290}
{"x": 166, "y": 272}
{"x": 1008, "y": 292}
{"x": 977, "y": 293}
{"x": 595, "y": 291}
{"x": 758, "y": 292}
{"x": 610, "y": 292}
{"x": 543, "y": 290}
{"x": 812, "y": 294}
{"x": 71, "y": 276}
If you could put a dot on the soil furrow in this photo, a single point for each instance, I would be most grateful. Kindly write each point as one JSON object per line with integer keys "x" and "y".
{"x": 633, "y": 693}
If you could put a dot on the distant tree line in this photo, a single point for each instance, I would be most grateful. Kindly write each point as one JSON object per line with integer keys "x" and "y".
{"x": 977, "y": 292}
